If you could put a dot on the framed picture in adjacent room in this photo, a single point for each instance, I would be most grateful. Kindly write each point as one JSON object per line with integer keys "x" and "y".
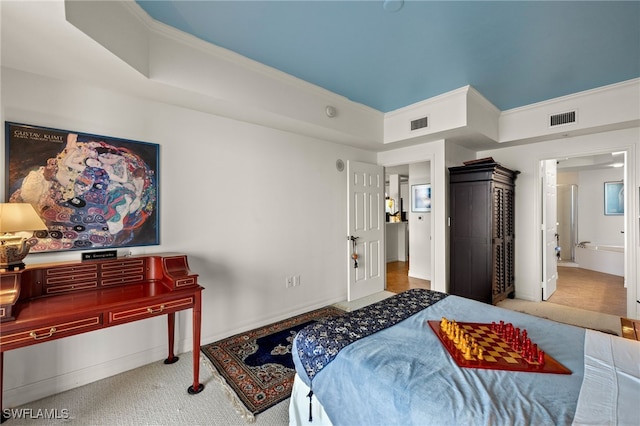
{"x": 421, "y": 198}
{"x": 613, "y": 198}
{"x": 91, "y": 191}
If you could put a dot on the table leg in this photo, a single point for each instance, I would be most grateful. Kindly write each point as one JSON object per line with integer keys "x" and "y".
{"x": 197, "y": 387}
{"x": 171, "y": 325}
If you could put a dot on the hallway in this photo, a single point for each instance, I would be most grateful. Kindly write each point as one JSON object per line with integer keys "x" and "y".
{"x": 398, "y": 279}
{"x": 576, "y": 288}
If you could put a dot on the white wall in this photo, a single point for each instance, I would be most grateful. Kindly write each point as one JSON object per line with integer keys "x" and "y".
{"x": 434, "y": 154}
{"x": 406, "y": 198}
{"x": 526, "y": 159}
{"x": 248, "y": 205}
{"x": 419, "y": 226}
{"x": 593, "y": 224}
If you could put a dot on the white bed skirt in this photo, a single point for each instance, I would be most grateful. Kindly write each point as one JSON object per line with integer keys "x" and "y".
{"x": 299, "y": 407}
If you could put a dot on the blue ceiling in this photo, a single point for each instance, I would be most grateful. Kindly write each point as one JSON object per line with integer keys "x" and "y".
{"x": 513, "y": 52}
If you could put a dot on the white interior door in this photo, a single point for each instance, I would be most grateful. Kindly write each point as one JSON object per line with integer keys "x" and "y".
{"x": 549, "y": 228}
{"x": 365, "y": 210}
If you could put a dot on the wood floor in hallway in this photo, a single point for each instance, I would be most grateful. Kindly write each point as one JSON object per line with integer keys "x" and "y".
{"x": 577, "y": 288}
{"x": 398, "y": 279}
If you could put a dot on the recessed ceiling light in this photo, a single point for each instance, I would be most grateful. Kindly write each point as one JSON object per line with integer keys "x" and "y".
{"x": 392, "y": 5}
{"x": 330, "y": 111}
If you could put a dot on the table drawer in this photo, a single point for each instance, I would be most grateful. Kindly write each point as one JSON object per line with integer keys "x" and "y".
{"x": 122, "y": 279}
{"x": 182, "y": 282}
{"x": 122, "y": 272}
{"x": 59, "y": 280}
{"x": 121, "y": 265}
{"x": 68, "y": 271}
{"x": 53, "y": 289}
{"x": 51, "y": 332}
{"x": 150, "y": 310}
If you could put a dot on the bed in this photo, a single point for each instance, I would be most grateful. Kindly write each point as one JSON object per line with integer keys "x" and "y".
{"x": 396, "y": 371}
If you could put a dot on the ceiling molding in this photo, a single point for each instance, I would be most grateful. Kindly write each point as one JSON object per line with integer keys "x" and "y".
{"x": 213, "y": 50}
{"x": 255, "y": 93}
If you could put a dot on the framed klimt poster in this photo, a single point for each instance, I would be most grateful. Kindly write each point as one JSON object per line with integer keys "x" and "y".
{"x": 421, "y": 198}
{"x": 91, "y": 191}
{"x": 613, "y": 198}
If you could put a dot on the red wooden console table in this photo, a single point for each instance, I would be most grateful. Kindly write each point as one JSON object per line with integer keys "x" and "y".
{"x": 50, "y": 301}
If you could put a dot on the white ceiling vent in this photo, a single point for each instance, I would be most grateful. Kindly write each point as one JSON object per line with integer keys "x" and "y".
{"x": 419, "y": 123}
{"x": 563, "y": 118}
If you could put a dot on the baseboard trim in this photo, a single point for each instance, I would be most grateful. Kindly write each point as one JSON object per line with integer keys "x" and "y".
{"x": 413, "y": 274}
{"x": 34, "y": 391}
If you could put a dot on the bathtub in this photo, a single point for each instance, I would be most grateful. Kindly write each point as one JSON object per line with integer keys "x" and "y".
{"x": 601, "y": 257}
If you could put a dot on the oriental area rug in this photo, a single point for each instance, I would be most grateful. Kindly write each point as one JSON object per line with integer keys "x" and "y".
{"x": 256, "y": 367}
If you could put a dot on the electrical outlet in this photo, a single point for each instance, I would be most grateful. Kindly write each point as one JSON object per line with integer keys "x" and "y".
{"x": 288, "y": 281}
{"x": 296, "y": 280}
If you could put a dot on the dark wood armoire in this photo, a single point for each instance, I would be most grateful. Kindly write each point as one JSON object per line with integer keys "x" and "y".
{"x": 482, "y": 209}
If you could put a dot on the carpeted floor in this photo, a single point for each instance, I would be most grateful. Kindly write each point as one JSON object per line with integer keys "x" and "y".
{"x": 256, "y": 365}
{"x": 155, "y": 394}
{"x": 365, "y": 301}
{"x": 566, "y": 314}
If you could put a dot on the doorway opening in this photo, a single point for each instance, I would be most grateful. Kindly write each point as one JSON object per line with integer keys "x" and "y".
{"x": 407, "y": 231}
{"x": 590, "y": 249}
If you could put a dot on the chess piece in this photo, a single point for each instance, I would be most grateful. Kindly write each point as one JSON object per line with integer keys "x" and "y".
{"x": 467, "y": 353}
{"x": 474, "y": 348}
{"x": 529, "y": 356}
{"x": 456, "y": 340}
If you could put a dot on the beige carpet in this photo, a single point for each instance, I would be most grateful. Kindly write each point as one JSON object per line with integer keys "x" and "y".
{"x": 155, "y": 394}
{"x": 365, "y": 301}
{"x": 566, "y": 314}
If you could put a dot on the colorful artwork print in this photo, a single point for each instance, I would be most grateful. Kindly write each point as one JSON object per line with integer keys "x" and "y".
{"x": 92, "y": 191}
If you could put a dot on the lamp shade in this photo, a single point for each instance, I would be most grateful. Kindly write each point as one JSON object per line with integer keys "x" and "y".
{"x": 16, "y": 217}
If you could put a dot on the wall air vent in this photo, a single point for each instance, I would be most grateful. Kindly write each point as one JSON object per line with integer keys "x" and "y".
{"x": 562, "y": 118}
{"x": 419, "y": 123}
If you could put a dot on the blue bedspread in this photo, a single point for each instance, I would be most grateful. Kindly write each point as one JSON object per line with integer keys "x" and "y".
{"x": 403, "y": 376}
{"x": 319, "y": 343}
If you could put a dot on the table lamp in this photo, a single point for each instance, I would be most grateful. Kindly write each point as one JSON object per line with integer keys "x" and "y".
{"x": 16, "y": 218}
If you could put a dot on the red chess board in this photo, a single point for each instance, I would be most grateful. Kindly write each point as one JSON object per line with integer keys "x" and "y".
{"x": 498, "y": 354}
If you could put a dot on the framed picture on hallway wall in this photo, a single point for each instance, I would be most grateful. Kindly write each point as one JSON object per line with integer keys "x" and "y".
{"x": 613, "y": 198}
{"x": 421, "y": 198}
{"x": 92, "y": 192}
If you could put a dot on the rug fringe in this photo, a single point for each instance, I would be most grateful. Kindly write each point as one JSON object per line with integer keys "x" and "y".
{"x": 231, "y": 395}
